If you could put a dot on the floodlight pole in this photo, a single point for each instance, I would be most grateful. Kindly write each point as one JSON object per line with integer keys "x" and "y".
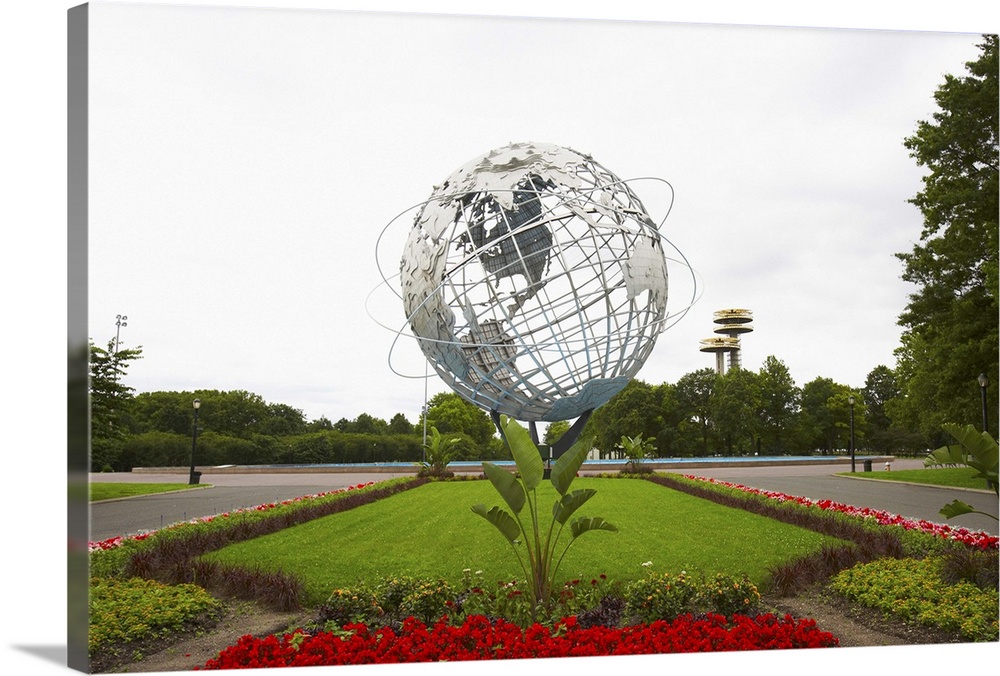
{"x": 119, "y": 323}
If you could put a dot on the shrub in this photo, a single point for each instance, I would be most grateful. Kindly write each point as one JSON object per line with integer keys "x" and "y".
{"x": 665, "y": 596}
{"x": 124, "y": 612}
{"x": 388, "y": 603}
{"x": 507, "y": 600}
{"x": 727, "y": 595}
{"x": 971, "y": 565}
{"x": 427, "y": 600}
{"x": 349, "y": 606}
{"x": 660, "y": 596}
{"x": 914, "y": 591}
{"x": 607, "y": 613}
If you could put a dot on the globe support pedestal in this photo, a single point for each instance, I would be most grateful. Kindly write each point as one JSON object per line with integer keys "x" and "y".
{"x": 561, "y": 445}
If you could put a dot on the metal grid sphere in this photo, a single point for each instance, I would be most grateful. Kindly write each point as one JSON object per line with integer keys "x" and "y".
{"x": 534, "y": 282}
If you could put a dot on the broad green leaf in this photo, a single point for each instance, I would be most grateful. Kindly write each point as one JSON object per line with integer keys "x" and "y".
{"x": 569, "y": 503}
{"x": 567, "y": 465}
{"x": 504, "y": 522}
{"x": 956, "y": 508}
{"x": 979, "y": 444}
{"x": 526, "y": 455}
{"x": 507, "y": 486}
{"x": 977, "y": 450}
{"x": 946, "y": 455}
{"x": 589, "y": 523}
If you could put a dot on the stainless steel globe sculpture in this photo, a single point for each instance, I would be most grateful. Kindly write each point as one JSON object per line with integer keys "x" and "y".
{"x": 534, "y": 282}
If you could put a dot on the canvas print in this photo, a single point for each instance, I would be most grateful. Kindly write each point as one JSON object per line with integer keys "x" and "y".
{"x": 403, "y": 338}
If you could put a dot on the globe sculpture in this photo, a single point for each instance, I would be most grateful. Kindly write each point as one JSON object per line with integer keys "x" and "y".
{"x": 534, "y": 282}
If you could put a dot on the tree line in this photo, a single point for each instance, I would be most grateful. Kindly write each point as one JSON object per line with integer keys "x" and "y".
{"x": 744, "y": 412}
{"x": 156, "y": 429}
{"x": 741, "y": 412}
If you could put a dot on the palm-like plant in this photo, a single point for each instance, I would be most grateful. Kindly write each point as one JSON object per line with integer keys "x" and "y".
{"x": 439, "y": 452}
{"x": 637, "y": 449}
{"x": 534, "y": 544}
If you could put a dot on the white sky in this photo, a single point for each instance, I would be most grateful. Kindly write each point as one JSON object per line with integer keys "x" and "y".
{"x": 33, "y": 211}
{"x": 244, "y": 163}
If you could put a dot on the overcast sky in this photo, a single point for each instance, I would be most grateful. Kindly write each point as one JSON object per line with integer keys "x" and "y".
{"x": 244, "y": 163}
{"x": 789, "y": 146}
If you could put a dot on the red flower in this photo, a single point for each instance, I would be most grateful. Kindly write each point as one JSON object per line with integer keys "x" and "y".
{"x": 480, "y": 639}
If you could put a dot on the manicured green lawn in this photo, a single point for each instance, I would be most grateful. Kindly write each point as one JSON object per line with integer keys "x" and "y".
{"x": 958, "y": 477}
{"x": 432, "y": 532}
{"x": 108, "y": 491}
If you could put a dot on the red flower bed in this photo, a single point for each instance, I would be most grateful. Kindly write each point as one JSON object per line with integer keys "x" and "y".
{"x": 978, "y": 539}
{"x": 480, "y": 639}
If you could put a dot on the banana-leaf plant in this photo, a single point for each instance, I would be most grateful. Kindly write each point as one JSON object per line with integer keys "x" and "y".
{"x": 439, "y": 452}
{"x": 637, "y": 449}
{"x": 535, "y": 544}
{"x": 977, "y": 450}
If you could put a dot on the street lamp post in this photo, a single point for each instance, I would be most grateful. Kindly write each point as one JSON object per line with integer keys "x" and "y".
{"x": 850, "y": 400}
{"x": 982, "y": 391}
{"x": 193, "y": 477}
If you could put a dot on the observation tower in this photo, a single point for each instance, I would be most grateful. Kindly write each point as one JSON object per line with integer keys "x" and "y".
{"x": 733, "y": 323}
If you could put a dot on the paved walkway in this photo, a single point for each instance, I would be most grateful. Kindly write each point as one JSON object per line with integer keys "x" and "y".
{"x": 229, "y": 492}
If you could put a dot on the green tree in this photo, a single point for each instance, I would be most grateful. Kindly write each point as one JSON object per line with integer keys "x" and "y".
{"x": 676, "y": 434}
{"x": 950, "y": 323}
{"x": 110, "y": 398}
{"x": 320, "y": 424}
{"x": 163, "y": 412}
{"x": 235, "y": 413}
{"x": 398, "y": 424}
{"x": 881, "y": 392}
{"x": 880, "y": 388}
{"x": 450, "y": 414}
{"x": 736, "y": 405}
{"x": 818, "y": 421}
{"x": 368, "y": 424}
{"x": 632, "y": 411}
{"x": 779, "y": 406}
{"x": 693, "y": 395}
{"x": 841, "y": 410}
{"x": 554, "y": 431}
{"x": 282, "y": 420}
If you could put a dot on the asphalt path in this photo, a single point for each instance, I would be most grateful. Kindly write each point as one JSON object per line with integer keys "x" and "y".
{"x": 914, "y": 501}
{"x": 229, "y": 492}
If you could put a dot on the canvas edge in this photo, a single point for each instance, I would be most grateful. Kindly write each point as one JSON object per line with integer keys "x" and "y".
{"x": 78, "y": 413}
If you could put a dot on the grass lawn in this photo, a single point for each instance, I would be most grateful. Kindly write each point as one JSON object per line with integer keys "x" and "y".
{"x": 431, "y": 531}
{"x": 107, "y": 491}
{"x": 958, "y": 477}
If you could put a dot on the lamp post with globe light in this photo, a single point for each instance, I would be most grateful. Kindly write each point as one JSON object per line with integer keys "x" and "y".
{"x": 850, "y": 400}
{"x": 194, "y": 476}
